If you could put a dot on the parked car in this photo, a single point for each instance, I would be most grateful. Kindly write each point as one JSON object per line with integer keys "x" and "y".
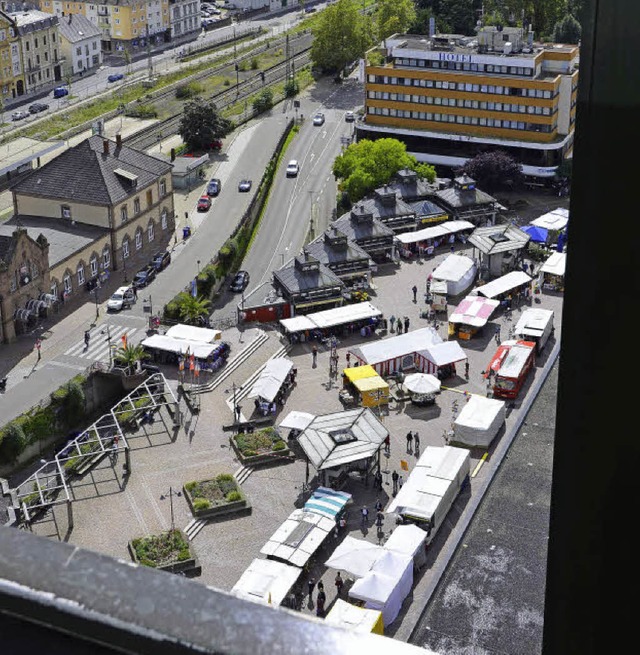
{"x": 293, "y": 168}
{"x": 214, "y": 186}
{"x": 60, "y": 91}
{"x": 20, "y": 115}
{"x": 37, "y": 107}
{"x": 349, "y": 117}
{"x": 240, "y": 281}
{"x": 123, "y": 297}
{"x": 144, "y": 277}
{"x": 245, "y": 185}
{"x": 204, "y": 204}
{"x": 216, "y": 144}
{"x": 318, "y": 119}
{"x": 160, "y": 260}
{"x": 114, "y": 77}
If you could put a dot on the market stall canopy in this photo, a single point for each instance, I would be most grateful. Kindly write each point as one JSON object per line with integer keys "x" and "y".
{"x": 553, "y": 220}
{"x": 355, "y": 556}
{"x": 179, "y": 346}
{"x": 479, "y": 421}
{"x": 421, "y": 383}
{"x": 394, "y": 347}
{"x": 327, "y": 502}
{"x": 556, "y": 264}
{"x": 503, "y": 284}
{"x": 459, "y": 272}
{"x": 357, "y": 619}
{"x": 296, "y": 420}
{"x": 342, "y": 437}
{"x": 442, "y": 354}
{"x": 371, "y": 384}
{"x": 271, "y": 378}
{"x": 444, "y": 229}
{"x": 408, "y": 540}
{"x": 359, "y": 372}
{"x": 537, "y": 234}
{"x": 193, "y": 333}
{"x": 533, "y": 322}
{"x": 298, "y": 537}
{"x": 474, "y": 310}
{"x": 446, "y": 462}
{"x": 331, "y": 317}
{"x": 266, "y": 581}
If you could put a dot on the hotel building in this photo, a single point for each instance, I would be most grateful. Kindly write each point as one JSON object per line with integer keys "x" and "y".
{"x": 450, "y": 97}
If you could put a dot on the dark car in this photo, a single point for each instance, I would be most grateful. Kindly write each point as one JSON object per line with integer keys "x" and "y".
{"x": 160, "y": 260}
{"x": 240, "y": 281}
{"x": 245, "y": 185}
{"x": 114, "y": 77}
{"x": 144, "y": 277}
{"x": 214, "y": 186}
{"x": 60, "y": 91}
{"x": 37, "y": 107}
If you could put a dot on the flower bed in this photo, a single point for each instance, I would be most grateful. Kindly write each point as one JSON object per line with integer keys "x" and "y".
{"x": 220, "y": 495}
{"x": 262, "y": 446}
{"x": 168, "y": 551}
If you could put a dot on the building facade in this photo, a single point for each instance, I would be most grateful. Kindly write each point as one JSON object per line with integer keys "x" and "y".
{"x": 80, "y": 44}
{"x": 186, "y": 19}
{"x": 11, "y": 71}
{"x": 450, "y": 97}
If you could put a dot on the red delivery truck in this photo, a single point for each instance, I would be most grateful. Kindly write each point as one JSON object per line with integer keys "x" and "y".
{"x": 510, "y": 366}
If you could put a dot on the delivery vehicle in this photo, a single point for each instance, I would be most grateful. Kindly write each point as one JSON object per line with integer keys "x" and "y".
{"x": 511, "y": 365}
{"x": 535, "y": 325}
{"x": 122, "y": 298}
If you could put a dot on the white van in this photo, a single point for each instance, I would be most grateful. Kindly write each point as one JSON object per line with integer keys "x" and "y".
{"x": 123, "y": 297}
{"x": 535, "y": 325}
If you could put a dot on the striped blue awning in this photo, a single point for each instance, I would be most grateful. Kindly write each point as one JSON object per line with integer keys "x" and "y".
{"x": 327, "y": 502}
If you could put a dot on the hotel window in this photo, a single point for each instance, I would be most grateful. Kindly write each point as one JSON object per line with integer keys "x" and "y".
{"x": 429, "y": 100}
{"x": 538, "y": 93}
{"x": 546, "y": 111}
{"x": 421, "y": 115}
{"x": 489, "y": 68}
{"x": 504, "y": 69}
{"x": 498, "y": 106}
{"x": 468, "y": 87}
{"x": 438, "y": 100}
{"x": 474, "y": 104}
{"x": 459, "y": 119}
{"x": 490, "y": 122}
{"x": 394, "y": 80}
{"x": 371, "y": 95}
{"x": 530, "y": 109}
{"x": 492, "y": 89}
{"x": 520, "y": 70}
{"x": 467, "y": 104}
{"x": 474, "y": 120}
{"x": 491, "y": 106}
{"x": 416, "y": 98}
{"x": 520, "y": 125}
{"x": 385, "y": 95}
{"x": 438, "y": 84}
{"x": 476, "y": 88}
{"x": 445, "y": 85}
{"x": 393, "y": 96}
{"x": 413, "y": 62}
{"x": 483, "y": 121}
{"x": 460, "y": 86}
{"x": 385, "y": 111}
{"x": 67, "y": 283}
{"x": 435, "y": 64}
{"x": 429, "y": 116}
{"x": 467, "y": 120}
{"x": 436, "y": 117}
{"x": 393, "y": 112}
{"x": 430, "y": 84}
{"x": 483, "y": 88}
{"x": 423, "y": 83}
{"x": 138, "y": 239}
{"x": 371, "y": 79}
{"x": 522, "y": 109}
{"x": 80, "y": 274}
{"x": 547, "y": 94}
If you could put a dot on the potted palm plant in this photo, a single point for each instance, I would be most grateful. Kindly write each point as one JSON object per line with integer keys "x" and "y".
{"x": 128, "y": 360}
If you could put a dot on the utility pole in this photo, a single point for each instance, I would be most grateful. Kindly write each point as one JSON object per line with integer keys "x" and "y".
{"x": 149, "y": 60}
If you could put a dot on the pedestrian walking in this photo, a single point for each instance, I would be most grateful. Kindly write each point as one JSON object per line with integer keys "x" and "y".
{"x": 348, "y": 358}
{"x": 392, "y": 321}
{"x": 416, "y": 441}
{"x": 399, "y": 328}
{"x": 406, "y": 324}
{"x": 311, "y": 584}
{"x": 365, "y": 516}
{"x": 387, "y": 445}
{"x": 339, "y": 583}
{"x": 497, "y": 334}
{"x": 409, "y": 441}
{"x": 379, "y": 519}
{"x": 399, "y": 483}
{"x": 394, "y": 478}
{"x": 314, "y": 353}
{"x": 378, "y": 505}
{"x": 38, "y": 346}
{"x": 320, "y": 586}
{"x": 320, "y": 601}
{"x": 135, "y": 292}
{"x": 87, "y": 337}
{"x": 377, "y": 481}
{"x": 466, "y": 369}
{"x": 415, "y": 293}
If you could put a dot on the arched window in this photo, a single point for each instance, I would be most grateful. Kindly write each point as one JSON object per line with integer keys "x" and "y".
{"x": 151, "y": 232}
{"x": 80, "y": 272}
{"x": 106, "y": 258}
{"x": 138, "y": 239}
{"x": 164, "y": 219}
{"x": 125, "y": 248}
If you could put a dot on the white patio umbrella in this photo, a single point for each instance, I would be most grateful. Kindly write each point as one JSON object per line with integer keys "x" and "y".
{"x": 422, "y": 383}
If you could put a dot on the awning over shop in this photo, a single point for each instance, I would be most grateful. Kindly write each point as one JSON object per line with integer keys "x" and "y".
{"x": 537, "y": 234}
{"x": 372, "y": 384}
{"x": 357, "y": 619}
{"x": 408, "y": 540}
{"x": 298, "y": 537}
{"x": 503, "y": 284}
{"x": 442, "y": 354}
{"x": 556, "y": 264}
{"x": 298, "y": 324}
{"x": 179, "y": 346}
{"x": 553, "y": 220}
{"x": 359, "y": 372}
{"x": 474, "y": 310}
{"x": 395, "y": 347}
{"x": 271, "y": 379}
{"x": 331, "y": 317}
{"x": 327, "y": 502}
{"x": 266, "y": 581}
{"x": 355, "y": 556}
{"x": 296, "y": 420}
{"x": 192, "y": 333}
{"x": 450, "y": 227}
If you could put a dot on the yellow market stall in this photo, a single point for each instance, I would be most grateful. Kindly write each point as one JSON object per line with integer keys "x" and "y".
{"x": 354, "y": 618}
{"x": 363, "y": 386}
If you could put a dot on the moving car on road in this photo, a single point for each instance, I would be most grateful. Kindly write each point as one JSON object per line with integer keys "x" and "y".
{"x": 123, "y": 297}
{"x": 37, "y": 107}
{"x": 318, "y": 119}
{"x": 20, "y": 115}
{"x": 160, "y": 260}
{"x": 349, "y": 117}
{"x": 293, "y": 168}
{"x": 60, "y": 91}
{"x": 144, "y": 277}
{"x": 204, "y": 204}
{"x": 214, "y": 186}
{"x": 114, "y": 77}
{"x": 240, "y": 281}
{"x": 245, "y": 185}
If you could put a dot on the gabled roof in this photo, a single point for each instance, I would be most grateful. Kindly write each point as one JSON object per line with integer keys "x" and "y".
{"x": 461, "y": 199}
{"x": 86, "y": 174}
{"x": 295, "y": 280}
{"x": 76, "y": 27}
{"x": 498, "y": 238}
{"x": 357, "y": 230}
{"x": 381, "y": 210}
{"x": 328, "y": 254}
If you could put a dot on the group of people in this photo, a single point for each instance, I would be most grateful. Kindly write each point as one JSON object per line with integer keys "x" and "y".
{"x": 398, "y": 324}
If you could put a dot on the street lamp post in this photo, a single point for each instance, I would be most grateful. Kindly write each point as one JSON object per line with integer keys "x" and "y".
{"x": 171, "y": 494}
{"x": 95, "y": 293}
{"x": 109, "y": 342}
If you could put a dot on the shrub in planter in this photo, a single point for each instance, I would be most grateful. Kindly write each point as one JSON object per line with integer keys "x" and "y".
{"x": 161, "y": 550}
{"x": 279, "y": 445}
{"x": 200, "y": 504}
{"x": 232, "y": 496}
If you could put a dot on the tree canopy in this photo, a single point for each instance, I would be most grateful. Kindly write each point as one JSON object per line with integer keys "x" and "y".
{"x": 394, "y": 16}
{"x": 366, "y": 165}
{"x": 201, "y": 124}
{"x": 493, "y": 170}
{"x": 568, "y": 30}
{"x": 341, "y": 36}
{"x": 192, "y": 310}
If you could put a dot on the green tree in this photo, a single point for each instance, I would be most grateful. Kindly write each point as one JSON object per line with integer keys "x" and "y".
{"x": 394, "y": 16}
{"x": 493, "y": 170}
{"x": 421, "y": 23}
{"x": 341, "y": 36}
{"x": 192, "y": 310}
{"x": 263, "y": 101}
{"x": 12, "y": 442}
{"x": 130, "y": 355}
{"x": 457, "y": 16}
{"x": 201, "y": 124}
{"x": 568, "y": 30}
{"x": 366, "y": 165}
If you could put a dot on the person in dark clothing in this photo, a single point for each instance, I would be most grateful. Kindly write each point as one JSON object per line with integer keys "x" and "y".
{"x": 394, "y": 478}
{"x": 415, "y": 293}
{"x": 320, "y": 601}
{"x": 339, "y": 583}
{"x": 387, "y": 445}
{"x": 409, "y": 441}
{"x": 406, "y": 324}
{"x": 87, "y": 337}
{"x": 311, "y": 584}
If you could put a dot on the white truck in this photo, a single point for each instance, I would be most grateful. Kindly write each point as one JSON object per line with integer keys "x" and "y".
{"x": 535, "y": 325}
{"x": 426, "y": 497}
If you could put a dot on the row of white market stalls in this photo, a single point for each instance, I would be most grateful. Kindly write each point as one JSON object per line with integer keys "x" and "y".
{"x": 274, "y": 379}
{"x": 359, "y": 317}
{"x": 426, "y": 240}
{"x": 422, "y": 350}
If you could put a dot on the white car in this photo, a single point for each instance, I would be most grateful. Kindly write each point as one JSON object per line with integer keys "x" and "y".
{"x": 349, "y": 117}
{"x": 123, "y": 297}
{"x": 293, "y": 168}
{"x": 318, "y": 119}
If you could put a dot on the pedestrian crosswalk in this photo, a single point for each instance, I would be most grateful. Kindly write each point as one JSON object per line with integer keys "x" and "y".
{"x": 101, "y": 339}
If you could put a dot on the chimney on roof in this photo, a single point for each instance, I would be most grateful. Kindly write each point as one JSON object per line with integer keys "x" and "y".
{"x": 105, "y": 147}
{"x": 119, "y": 140}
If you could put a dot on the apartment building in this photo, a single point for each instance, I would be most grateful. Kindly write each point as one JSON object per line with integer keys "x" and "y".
{"x": 80, "y": 44}
{"x": 450, "y": 97}
{"x": 11, "y": 73}
{"x": 186, "y": 19}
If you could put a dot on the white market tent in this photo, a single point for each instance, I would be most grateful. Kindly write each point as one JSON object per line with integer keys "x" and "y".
{"x": 192, "y": 333}
{"x": 409, "y": 540}
{"x": 298, "y": 537}
{"x": 442, "y": 354}
{"x": 533, "y": 322}
{"x": 163, "y": 342}
{"x": 503, "y": 284}
{"x": 357, "y": 619}
{"x": 553, "y": 220}
{"x": 459, "y": 272}
{"x": 479, "y": 421}
{"x": 446, "y": 462}
{"x": 555, "y": 264}
{"x": 266, "y": 582}
{"x": 355, "y": 556}
{"x": 327, "y": 502}
{"x": 474, "y": 310}
{"x": 450, "y": 227}
{"x": 422, "y": 383}
{"x": 386, "y": 585}
{"x": 296, "y": 420}
{"x": 331, "y": 317}
{"x": 271, "y": 378}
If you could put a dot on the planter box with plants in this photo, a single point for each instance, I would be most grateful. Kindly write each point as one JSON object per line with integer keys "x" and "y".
{"x": 264, "y": 446}
{"x": 168, "y": 551}
{"x": 220, "y": 495}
